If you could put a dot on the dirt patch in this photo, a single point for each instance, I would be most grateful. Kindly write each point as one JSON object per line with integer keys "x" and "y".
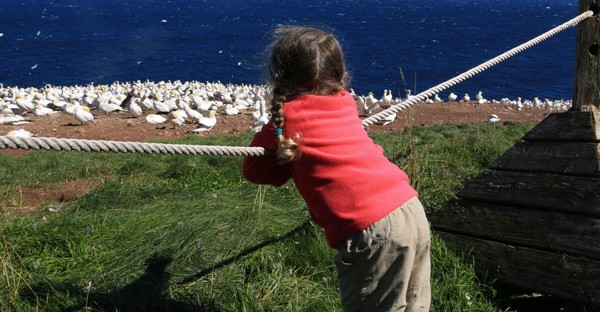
{"x": 47, "y": 198}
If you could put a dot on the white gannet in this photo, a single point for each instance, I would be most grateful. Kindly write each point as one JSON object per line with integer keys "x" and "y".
{"x": 227, "y": 98}
{"x": 192, "y": 113}
{"x": 119, "y": 99}
{"x": 207, "y": 123}
{"x": 20, "y": 133}
{"x": 12, "y": 120}
{"x": 479, "y": 95}
{"x": 107, "y": 107}
{"x": 148, "y": 103}
{"x": 135, "y": 108}
{"x": 83, "y": 113}
{"x": 493, "y": 118}
{"x": 177, "y": 117}
{"x": 371, "y": 101}
{"x": 7, "y": 117}
{"x": 25, "y": 102}
{"x": 162, "y": 107}
{"x": 386, "y": 100}
{"x": 159, "y": 103}
{"x": 480, "y": 98}
{"x": 244, "y": 103}
{"x": 261, "y": 117}
{"x": 155, "y": 119}
{"x": 361, "y": 103}
{"x": 230, "y": 110}
{"x": 41, "y": 110}
{"x": 452, "y": 97}
{"x": 466, "y": 98}
{"x": 518, "y": 104}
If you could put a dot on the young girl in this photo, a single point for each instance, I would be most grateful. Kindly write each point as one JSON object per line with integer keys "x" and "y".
{"x": 364, "y": 202}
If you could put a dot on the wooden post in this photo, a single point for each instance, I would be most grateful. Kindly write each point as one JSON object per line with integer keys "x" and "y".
{"x": 532, "y": 219}
{"x": 586, "y": 91}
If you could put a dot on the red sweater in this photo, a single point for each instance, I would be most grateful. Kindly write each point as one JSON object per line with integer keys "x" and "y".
{"x": 346, "y": 181}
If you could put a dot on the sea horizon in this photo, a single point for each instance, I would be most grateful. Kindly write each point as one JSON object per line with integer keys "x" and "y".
{"x": 395, "y": 45}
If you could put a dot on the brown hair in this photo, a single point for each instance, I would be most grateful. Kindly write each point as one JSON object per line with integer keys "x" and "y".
{"x": 304, "y": 60}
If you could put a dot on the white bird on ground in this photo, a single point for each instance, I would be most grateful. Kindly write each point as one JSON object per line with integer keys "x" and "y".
{"x": 452, "y": 97}
{"x": 177, "y": 117}
{"x": 148, "y": 103}
{"x": 162, "y": 107}
{"x": 479, "y": 95}
{"x": 437, "y": 98}
{"x": 82, "y": 113}
{"x": 107, "y": 107}
{"x": 480, "y": 98}
{"x": 548, "y": 103}
{"x": 155, "y": 119}
{"x": 202, "y": 103}
{"x": 230, "y": 110}
{"x": 160, "y": 104}
{"x": 12, "y": 120}
{"x": 7, "y": 117}
{"x": 41, "y": 110}
{"x": 208, "y": 105}
{"x": 118, "y": 99}
{"x": 25, "y": 102}
{"x": 243, "y": 103}
{"x": 135, "y": 108}
{"x": 386, "y": 100}
{"x": 493, "y": 118}
{"x": 466, "y": 98}
{"x": 207, "y": 123}
{"x": 227, "y": 98}
{"x": 371, "y": 101}
{"x": 20, "y": 133}
{"x": 171, "y": 103}
{"x": 6, "y": 111}
{"x": 360, "y": 102}
{"x": 89, "y": 99}
{"x": 192, "y": 113}
{"x": 261, "y": 117}
{"x": 518, "y": 104}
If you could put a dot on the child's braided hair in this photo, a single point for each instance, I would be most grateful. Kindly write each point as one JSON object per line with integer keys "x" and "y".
{"x": 304, "y": 60}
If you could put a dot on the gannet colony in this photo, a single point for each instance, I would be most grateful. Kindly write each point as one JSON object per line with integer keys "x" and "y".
{"x": 178, "y": 102}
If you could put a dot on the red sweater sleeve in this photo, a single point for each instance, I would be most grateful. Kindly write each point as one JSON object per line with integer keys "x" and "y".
{"x": 265, "y": 169}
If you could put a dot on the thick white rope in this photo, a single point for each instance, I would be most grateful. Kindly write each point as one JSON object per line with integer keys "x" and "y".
{"x": 41, "y": 143}
{"x": 57, "y": 144}
{"x": 475, "y": 70}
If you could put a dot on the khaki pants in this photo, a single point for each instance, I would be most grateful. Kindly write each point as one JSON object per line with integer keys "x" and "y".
{"x": 387, "y": 266}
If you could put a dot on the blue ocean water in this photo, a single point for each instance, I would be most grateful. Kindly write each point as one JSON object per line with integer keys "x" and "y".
{"x": 389, "y": 44}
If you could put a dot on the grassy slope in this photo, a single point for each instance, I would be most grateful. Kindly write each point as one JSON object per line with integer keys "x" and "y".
{"x": 191, "y": 214}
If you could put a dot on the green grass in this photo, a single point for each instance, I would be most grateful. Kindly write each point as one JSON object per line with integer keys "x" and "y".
{"x": 198, "y": 215}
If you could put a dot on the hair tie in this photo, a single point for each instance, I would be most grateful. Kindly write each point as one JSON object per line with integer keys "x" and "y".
{"x": 278, "y": 131}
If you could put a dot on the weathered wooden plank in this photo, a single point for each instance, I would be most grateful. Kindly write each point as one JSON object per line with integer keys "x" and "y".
{"x": 586, "y": 90}
{"x": 567, "y": 126}
{"x": 546, "y": 191}
{"x": 561, "y": 275}
{"x": 576, "y": 234}
{"x": 579, "y": 158}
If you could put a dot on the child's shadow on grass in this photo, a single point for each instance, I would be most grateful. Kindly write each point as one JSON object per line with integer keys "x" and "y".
{"x": 146, "y": 293}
